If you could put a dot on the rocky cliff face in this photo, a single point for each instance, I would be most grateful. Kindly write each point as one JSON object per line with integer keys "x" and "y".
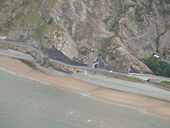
{"x": 121, "y": 31}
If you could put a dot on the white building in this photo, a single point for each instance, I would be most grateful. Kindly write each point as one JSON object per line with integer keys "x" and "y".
{"x": 156, "y": 56}
{"x": 2, "y": 37}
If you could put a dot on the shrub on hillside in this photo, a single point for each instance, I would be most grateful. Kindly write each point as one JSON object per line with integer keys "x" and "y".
{"x": 158, "y": 67}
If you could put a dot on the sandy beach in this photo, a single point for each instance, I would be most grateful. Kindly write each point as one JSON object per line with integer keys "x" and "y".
{"x": 142, "y": 103}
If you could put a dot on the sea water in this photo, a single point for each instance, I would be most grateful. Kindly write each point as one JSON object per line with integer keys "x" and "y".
{"x": 26, "y": 103}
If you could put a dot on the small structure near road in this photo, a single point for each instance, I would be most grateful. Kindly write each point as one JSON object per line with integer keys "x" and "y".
{"x": 99, "y": 63}
{"x": 156, "y": 56}
{"x": 95, "y": 64}
{"x": 2, "y": 37}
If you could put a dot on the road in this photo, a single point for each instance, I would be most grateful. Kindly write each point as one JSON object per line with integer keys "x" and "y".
{"x": 144, "y": 89}
{"x": 147, "y": 77}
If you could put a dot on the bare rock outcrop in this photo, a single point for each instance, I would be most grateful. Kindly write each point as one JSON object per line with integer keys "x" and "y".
{"x": 120, "y": 31}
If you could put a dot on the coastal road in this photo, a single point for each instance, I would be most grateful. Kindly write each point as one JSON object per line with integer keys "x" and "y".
{"x": 144, "y": 89}
{"x": 147, "y": 76}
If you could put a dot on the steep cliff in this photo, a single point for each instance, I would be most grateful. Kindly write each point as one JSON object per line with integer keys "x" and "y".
{"x": 121, "y": 31}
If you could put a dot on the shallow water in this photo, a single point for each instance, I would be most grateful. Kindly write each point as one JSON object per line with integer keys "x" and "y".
{"x": 26, "y": 103}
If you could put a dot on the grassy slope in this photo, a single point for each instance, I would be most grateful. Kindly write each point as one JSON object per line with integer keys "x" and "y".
{"x": 165, "y": 83}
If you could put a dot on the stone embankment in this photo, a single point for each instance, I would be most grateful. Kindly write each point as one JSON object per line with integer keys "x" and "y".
{"x": 39, "y": 57}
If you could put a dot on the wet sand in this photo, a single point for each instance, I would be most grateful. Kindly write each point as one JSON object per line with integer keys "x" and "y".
{"x": 144, "y": 104}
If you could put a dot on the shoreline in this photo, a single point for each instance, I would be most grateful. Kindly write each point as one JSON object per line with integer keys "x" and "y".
{"x": 141, "y": 103}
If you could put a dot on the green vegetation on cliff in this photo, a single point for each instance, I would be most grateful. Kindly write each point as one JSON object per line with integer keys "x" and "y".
{"x": 107, "y": 42}
{"x": 39, "y": 31}
{"x": 158, "y": 67}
